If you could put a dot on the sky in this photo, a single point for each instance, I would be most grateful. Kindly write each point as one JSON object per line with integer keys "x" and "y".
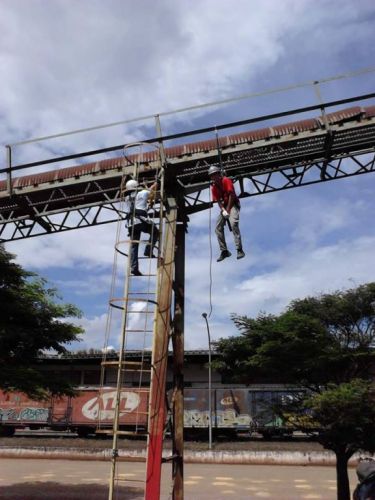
{"x": 74, "y": 64}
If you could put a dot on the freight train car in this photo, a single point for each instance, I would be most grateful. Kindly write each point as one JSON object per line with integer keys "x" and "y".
{"x": 229, "y": 411}
{"x": 83, "y": 413}
{"x": 232, "y": 411}
{"x": 239, "y": 410}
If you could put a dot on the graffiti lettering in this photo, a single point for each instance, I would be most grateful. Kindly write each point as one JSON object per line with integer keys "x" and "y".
{"x": 34, "y": 414}
{"x": 8, "y": 414}
{"x": 229, "y": 400}
{"x": 226, "y": 418}
{"x": 103, "y": 406}
{"x": 26, "y": 414}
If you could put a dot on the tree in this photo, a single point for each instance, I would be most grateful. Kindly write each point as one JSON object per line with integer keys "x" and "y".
{"x": 316, "y": 341}
{"x": 32, "y": 321}
{"x": 321, "y": 344}
{"x": 346, "y": 415}
{"x": 286, "y": 348}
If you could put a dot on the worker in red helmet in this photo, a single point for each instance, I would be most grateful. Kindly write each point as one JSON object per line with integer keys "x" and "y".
{"x": 223, "y": 193}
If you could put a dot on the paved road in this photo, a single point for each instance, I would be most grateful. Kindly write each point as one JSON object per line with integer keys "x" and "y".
{"x": 202, "y": 481}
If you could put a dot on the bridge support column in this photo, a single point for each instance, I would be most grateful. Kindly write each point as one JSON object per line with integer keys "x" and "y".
{"x": 178, "y": 362}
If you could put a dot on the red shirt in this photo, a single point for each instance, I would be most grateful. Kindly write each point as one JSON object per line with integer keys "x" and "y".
{"x": 223, "y": 190}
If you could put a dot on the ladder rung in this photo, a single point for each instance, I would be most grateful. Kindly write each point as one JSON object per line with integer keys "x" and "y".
{"x": 122, "y": 308}
{"x": 123, "y": 479}
{"x": 141, "y": 275}
{"x": 141, "y": 293}
{"x": 130, "y": 299}
{"x": 137, "y": 312}
{"x": 135, "y": 370}
{"x": 133, "y": 330}
{"x": 140, "y": 364}
{"x": 133, "y": 363}
{"x": 121, "y": 433}
{"x": 137, "y": 366}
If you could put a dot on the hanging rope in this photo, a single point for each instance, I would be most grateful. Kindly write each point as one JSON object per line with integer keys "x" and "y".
{"x": 210, "y": 244}
{"x": 210, "y": 222}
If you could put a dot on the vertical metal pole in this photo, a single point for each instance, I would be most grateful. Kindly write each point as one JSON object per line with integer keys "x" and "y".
{"x": 9, "y": 173}
{"x": 320, "y": 100}
{"x": 178, "y": 360}
{"x": 161, "y": 146}
{"x": 157, "y": 406}
{"x": 209, "y": 385}
{"x": 329, "y": 137}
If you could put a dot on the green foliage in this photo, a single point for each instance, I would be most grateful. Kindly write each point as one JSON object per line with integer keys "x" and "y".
{"x": 346, "y": 416}
{"x": 31, "y": 321}
{"x": 316, "y": 341}
{"x": 349, "y": 316}
{"x": 324, "y": 344}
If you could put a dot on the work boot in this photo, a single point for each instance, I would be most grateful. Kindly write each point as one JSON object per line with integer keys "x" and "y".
{"x": 224, "y": 254}
{"x": 240, "y": 253}
{"x": 135, "y": 272}
{"x": 149, "y": 253}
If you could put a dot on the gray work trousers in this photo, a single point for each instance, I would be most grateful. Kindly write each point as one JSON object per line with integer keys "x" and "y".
{"x": 234, "y": 219}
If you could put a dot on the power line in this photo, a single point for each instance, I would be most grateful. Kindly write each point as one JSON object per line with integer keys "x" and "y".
{"x": 343, "y": 76}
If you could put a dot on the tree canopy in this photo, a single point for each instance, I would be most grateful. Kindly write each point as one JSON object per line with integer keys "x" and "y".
{"x": 314, "y": 342}
{"x": 33, "y": 320}
{"x": 325, "y": 345}
{"x": 346, "y": 416}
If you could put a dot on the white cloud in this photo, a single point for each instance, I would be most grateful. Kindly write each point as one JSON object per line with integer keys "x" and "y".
{"x": 95, "y": 329}
{"x": 70, "y": 64}
{"x": 90, "y": 248}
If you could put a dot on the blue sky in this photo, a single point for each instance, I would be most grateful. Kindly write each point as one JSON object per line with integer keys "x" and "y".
{"x": 68, "y": 65}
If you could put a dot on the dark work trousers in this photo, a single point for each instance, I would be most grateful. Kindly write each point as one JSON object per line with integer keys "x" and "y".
{"x": 135, "y": 234}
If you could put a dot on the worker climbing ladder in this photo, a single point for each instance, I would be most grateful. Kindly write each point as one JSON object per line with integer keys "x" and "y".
{"x": 144, "y": 306}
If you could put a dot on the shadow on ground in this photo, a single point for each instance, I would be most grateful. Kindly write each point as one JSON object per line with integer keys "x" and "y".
{"x": 56, "y": 491}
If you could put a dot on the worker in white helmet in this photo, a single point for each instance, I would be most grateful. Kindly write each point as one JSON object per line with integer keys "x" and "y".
{"x": 138, "y": 200}
{"x": 223, "y": 193}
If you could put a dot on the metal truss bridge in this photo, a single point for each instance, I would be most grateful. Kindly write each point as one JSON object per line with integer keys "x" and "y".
{"x": 323, "y": 147}
{"x": 329, "y": 146}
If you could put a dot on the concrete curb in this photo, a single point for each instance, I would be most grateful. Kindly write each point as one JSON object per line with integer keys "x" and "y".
{"x": 207, "y": 457}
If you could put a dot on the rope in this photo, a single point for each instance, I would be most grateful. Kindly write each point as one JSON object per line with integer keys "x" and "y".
{"x": 210, "y": 243}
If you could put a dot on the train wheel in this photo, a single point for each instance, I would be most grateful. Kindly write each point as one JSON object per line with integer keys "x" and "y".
{"x": 7, "y": 431}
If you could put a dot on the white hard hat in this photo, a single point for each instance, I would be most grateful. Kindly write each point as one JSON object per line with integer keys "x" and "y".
{"x": 213, "y": 170}
{"x": 131, "y": 185}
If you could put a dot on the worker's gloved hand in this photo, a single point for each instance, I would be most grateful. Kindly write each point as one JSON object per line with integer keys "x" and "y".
{"x": 225, "y": 213}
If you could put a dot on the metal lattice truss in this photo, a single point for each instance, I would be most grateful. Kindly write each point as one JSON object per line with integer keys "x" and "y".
{"x": 296, "y": 175}
{"x": 283, "y": 157}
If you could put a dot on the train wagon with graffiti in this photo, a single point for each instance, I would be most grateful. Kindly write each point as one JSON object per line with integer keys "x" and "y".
{"x": 239, "y": 410}
{"x": 85, "y": 413}
{"x": 233, "y": 411}
{"x": 229, "y": 411}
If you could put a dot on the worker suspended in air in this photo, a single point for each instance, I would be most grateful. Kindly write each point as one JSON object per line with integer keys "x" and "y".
{"x": 223, "y": 193}
{"x": 138, "y": 200}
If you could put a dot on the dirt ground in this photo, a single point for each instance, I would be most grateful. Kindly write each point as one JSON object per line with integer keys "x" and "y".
{"x": 56, "y": 491}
